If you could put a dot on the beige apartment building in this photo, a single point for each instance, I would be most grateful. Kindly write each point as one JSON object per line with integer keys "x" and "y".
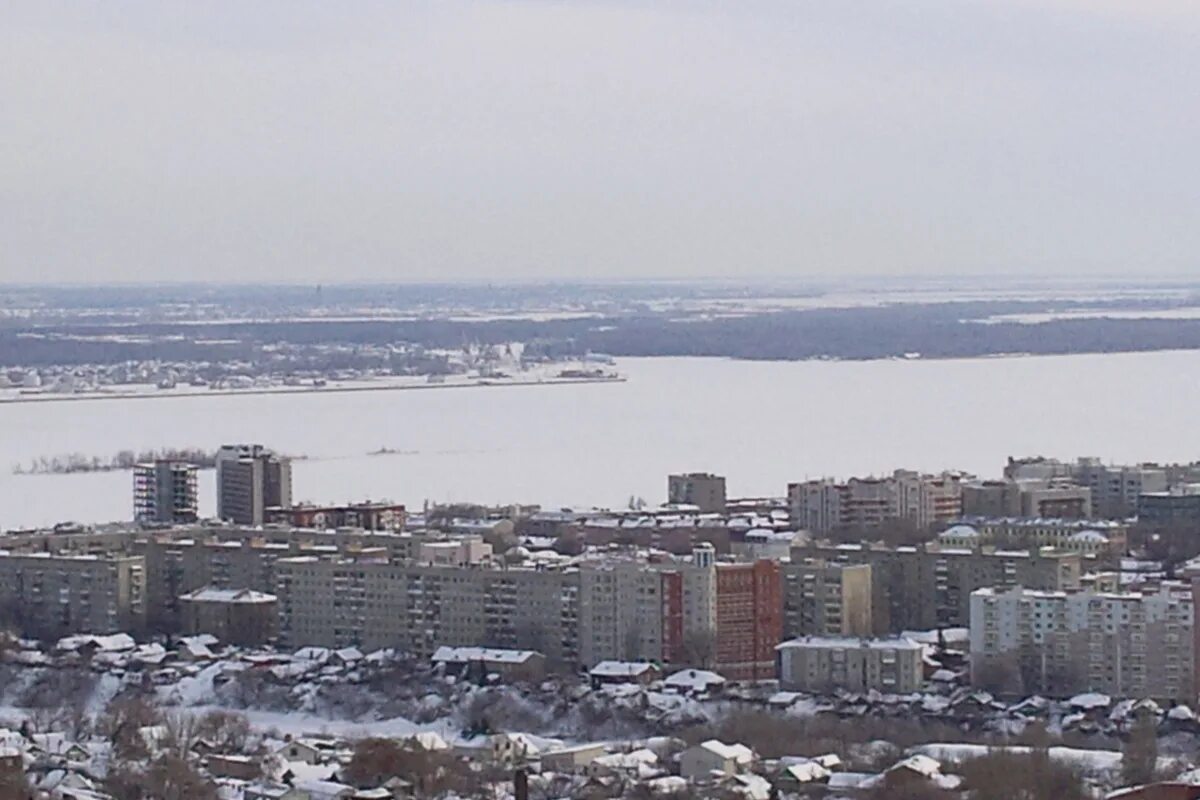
{"x": 1128, "y": 644}
{"x": 925, "y": 587}
{"x": 827, "y": 663}
{"x": 824, "y": 504}
{"x": 826, "y": 599}
{"x": 53, "y": 595}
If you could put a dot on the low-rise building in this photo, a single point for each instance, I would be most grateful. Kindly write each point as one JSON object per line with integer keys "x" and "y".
{"x": 477, "y": 663}
{"x": 829, "y": 663}
{"x": 235, "y": 616}
{"x": 700, "y": 762}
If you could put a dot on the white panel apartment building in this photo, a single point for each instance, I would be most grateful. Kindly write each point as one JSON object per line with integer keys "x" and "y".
{"x": 825, "y": 504}
{"x": 1130, "y": 644}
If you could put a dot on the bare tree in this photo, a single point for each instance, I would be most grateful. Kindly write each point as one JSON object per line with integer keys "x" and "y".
{"x": 1139, "y": 754}
{"x": 699, "y": 648}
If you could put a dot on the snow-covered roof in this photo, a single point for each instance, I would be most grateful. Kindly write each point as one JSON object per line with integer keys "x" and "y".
{"x": 620, "y": 669}
{"x": 1088, "y": 536}
{"x": 1090, "y": 700}
{"x": 849, "y": 643}
{"x": 959, "y": 532}
{"x": 737, "y": 753}
{"x": 113, "y": 643}
{"x": 228, "y": 596}
{"x": 463, "y": 655}
{"x": 693, "y": 679}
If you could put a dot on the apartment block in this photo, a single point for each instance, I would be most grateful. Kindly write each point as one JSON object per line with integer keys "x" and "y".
{"x": 372, "y": 603}
{"x": 1130, "y": 644}
{"x": 749, "y": 619}
{"x": 826, "y": 599}
{"x": 920, "y": 588}
{"x": 825, "y": 664}
{"x": 1115, "y": 489}
{"x": 52, "y": 595}
{"x": 825, "y": 504}
{"x": 164, "y": 492}
{"x": 251, "y": 479}
{"x": 700, "y": 489}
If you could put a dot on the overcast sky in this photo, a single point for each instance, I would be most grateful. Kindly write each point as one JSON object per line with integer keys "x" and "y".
{"x": 318, "y": 141}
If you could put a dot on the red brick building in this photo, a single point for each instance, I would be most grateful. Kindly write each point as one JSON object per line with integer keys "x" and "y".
{"x": 749, "y": 619}
{"x": 368, "y": 516}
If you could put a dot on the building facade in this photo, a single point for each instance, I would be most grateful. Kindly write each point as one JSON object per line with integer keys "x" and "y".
{"x": 165, "y": 492}
{"x": 824, "y": 505}
{"x": 53, "y": 595}
{"x": 240, "y": 617}
{"x": 251, "y": 479}
{"x": 826, "y": 599}
{"x": 825, "y": 664}
{"x": 1129, "y": 644}
{"x": 700, "y": 489}
{"x": 368, "y": 516}
{"x": 925, "y": 587}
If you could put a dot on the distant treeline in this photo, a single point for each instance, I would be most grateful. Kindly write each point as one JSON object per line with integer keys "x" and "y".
{"x": 934, "y": 330}
{"x": 125, "y": 459}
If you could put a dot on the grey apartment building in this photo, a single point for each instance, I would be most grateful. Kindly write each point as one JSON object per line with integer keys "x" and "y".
{"x": 53, "y": 595}
{"x": 700, "y": 489}
{"x": 826, "y": 663}
{"x": 925, "y": 587}
{"x": 251, "y": 479}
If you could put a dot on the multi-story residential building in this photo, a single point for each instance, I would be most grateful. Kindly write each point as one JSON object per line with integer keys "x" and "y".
{"x": 700, "y": 489}
{"x": 1100, "y": 537}
{"x": 52, "y": 595}
{"x": 1177, "y": 507}
{"x": 241, "y": 617}
{"x": 826, "y": 599}
{"x": 1115, "y": 489}
{"x": 1054, "y": 497}
{"x": 749, "y": 619}
{"x": 824, "y": 505}
{"x": 1131, "y": 644}
{"x": 824, "y": 663}
{"x": 251, "y": 479}
{"x": 368, "y": 516}
{"x": 164, "y": 491}
{"x": 920, "y": 588}
{"x": 336, "y": 601}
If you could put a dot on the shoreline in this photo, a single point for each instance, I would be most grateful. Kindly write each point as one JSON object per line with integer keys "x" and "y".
{"x": 72, "y": 398}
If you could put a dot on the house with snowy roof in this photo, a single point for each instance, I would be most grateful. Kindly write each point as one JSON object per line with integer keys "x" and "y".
{"x": 477, "y": 663}
{"x": 608, "y": 673}
{"x": 713, "y": 757}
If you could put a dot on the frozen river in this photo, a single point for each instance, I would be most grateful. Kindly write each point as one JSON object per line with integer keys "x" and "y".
{"x": 760, "y": 423}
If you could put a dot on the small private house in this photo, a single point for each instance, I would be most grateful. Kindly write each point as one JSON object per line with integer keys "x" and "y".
{"x": 571, "y": 759}
{"x": 608, "y": 673}
{"x": 694, "y": 682}
{"x": 703, "y": 760}
{"x": 477, "y": 663}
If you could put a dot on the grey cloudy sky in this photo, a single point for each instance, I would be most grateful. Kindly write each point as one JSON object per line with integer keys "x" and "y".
{"x": 317, "y": 141}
